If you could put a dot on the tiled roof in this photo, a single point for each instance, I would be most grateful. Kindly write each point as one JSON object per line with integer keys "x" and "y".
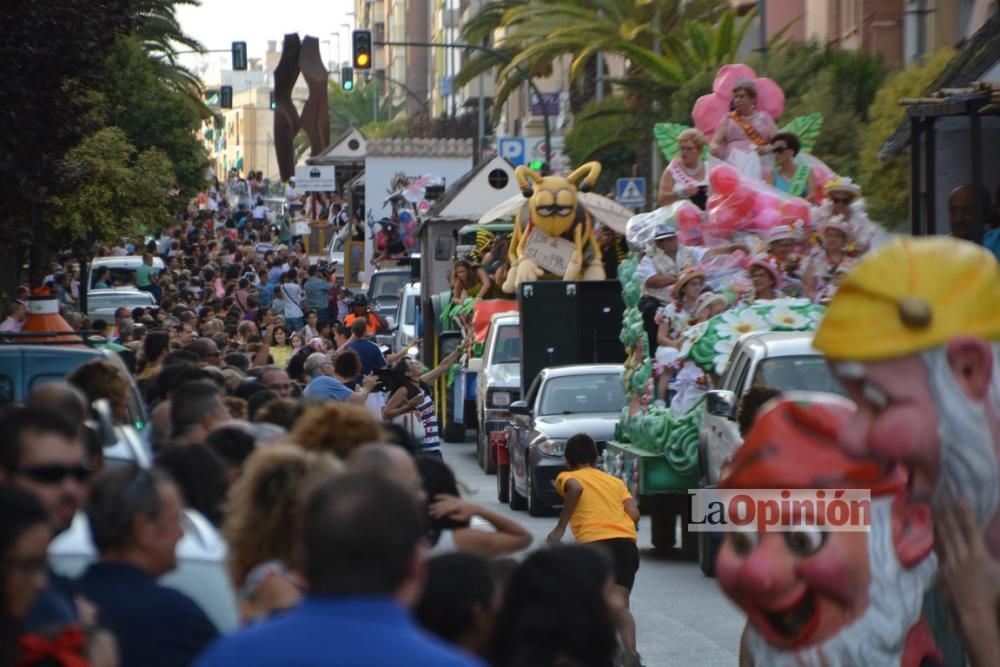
{"x": 426, "y": 148}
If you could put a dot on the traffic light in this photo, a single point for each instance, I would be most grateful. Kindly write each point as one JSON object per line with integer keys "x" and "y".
{"x": 239, "y": 56}
{"x": 226, "y": 97}
{"x": 536, "y": 165}
{"x": 347, "y": 78}
{"x": 274, "y": 104}
{"x": 362, "y": 43}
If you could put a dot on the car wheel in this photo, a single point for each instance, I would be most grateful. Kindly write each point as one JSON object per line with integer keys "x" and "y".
{"x": 535, "y": 505}
{"x": 708, "y": 549}
{"x": 503, "y": 483}
{"x": 516, "y": 500}
{"x": 487, "y": 463}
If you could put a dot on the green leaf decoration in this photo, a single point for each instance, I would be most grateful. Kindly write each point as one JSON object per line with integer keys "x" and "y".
{"x": 666, "y": 138}
{"x": 807, "y": 129}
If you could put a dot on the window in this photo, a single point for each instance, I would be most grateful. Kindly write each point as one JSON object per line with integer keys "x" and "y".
{"x": 582, "y": 394}
{"x": 498, "y": 179}
{"x": 507, "y": 346}
{"x": 799, "y": 373}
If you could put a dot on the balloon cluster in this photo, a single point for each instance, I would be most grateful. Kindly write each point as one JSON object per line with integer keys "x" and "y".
{"x": 710, "y": 109}
{"x": 408, "y": 229}
{"x": 738, "y": 204}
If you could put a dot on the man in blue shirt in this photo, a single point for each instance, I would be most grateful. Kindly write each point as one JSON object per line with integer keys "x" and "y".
{"x": 371, "y": 356}
{"x": 365, "y": 565}
{"x": 134, "y": 517}
{"x": 317, "y": 289}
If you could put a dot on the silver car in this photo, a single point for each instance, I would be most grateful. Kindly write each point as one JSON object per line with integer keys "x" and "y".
{"x": 102, "y": 303}
{"x": 406, "y": 318}
{"x": 498, "y": 384}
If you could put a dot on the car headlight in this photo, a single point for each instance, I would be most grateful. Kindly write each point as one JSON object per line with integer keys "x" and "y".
{"x": 552, "y": 447}
{"x": 500, "y": 399}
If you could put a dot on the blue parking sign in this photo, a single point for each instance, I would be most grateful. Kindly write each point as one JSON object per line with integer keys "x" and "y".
{"x": 512, "y": 149}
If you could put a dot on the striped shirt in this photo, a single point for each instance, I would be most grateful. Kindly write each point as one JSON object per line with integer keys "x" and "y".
{"x": 428, "y": 415}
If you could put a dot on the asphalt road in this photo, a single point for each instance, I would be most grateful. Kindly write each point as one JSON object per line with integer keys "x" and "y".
{"x": 683, "y": 619}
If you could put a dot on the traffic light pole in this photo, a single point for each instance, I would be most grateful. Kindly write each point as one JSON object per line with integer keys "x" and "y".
{"x": 497, "y": 54}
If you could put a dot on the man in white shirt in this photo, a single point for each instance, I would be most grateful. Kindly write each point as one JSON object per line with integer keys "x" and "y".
{"x": 16, "y": 314}
{"x": 658, "y": 271}
{"x": 292, "y": 196}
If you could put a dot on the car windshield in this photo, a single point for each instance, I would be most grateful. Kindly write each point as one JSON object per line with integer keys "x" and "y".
{"x": 120, "y": 276}
{"x": 507, "y": 347}
{"x": 799, "y": 373}
{"x": 582, "y": 394}
{"x": 386, "y": 284}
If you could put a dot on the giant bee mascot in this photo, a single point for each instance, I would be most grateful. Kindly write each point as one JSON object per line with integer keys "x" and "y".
{"x": 554, "y": 210}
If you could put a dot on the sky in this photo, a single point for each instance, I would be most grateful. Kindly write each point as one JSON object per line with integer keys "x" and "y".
{"x": 218, "y": 23}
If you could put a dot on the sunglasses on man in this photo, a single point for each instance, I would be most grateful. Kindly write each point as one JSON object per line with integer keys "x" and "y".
{"x": 55, "y": 473}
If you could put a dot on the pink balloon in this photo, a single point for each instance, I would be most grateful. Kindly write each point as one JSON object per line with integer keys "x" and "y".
{"x": 767, "y": 219}
{"x": 742, "y": 199}
{"x": 715, "y": 201}
{"x": 688, "y": 224}
{"x": 728, "y": 76}
{"x": 767, "y": 200}
{"x": 727, "y": 219}
{"x": 708, "y": 112}
{"x": 795, "y": 209}
{"x": 770, "y": 97}
{"x": 724, "y": 179}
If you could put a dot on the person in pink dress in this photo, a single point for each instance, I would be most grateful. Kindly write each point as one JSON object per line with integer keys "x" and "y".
{"x": 743, "y": 137}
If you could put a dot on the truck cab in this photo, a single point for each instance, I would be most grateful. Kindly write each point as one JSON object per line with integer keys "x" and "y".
{"x": 498, "y": 384}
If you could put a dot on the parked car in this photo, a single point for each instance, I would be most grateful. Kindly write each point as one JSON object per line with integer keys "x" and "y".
{"x": 783, "y": 360}
{"x": 407, "y": 318}
{"x": 498, "y": 384}
{"x": 25, "y": 365}
{"x": 201, "y": 571}
{"x": 102, "y": 303}
{"x": 383, "y": 291}
{"x": 122, "y": 269}
{"x": 561, "y": 402}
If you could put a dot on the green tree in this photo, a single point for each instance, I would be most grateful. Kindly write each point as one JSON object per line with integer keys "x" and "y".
{"x": 160, "y": 35}
{"x": 886, "y": 183}
{"x": 154, "y": 114}
{"x": 114, "y": 191}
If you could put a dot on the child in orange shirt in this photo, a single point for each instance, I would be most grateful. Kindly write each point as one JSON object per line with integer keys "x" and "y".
{"x": 601, "y": 511}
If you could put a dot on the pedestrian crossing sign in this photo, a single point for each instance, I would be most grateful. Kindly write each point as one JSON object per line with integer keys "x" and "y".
{"x": 631, "y": 191}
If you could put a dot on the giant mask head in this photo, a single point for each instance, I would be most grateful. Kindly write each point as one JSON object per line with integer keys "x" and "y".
{"x": 914, "y": 336}
{"x": 816, "y": 597}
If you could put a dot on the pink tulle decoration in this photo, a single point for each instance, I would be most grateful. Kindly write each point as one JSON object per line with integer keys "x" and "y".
{"x": 742, "y": 199}
{"x": 689, "y": 224}
{"x": 766, "y": 219}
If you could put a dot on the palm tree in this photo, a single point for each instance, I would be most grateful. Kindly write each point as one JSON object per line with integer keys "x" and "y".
{"x": 161, "y": 37}
{"x": 533, "y": 34}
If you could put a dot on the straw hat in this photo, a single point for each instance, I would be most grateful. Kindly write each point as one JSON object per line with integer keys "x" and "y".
{"x": 768, "y": 264}
{"x": 837, "y": 222}
{"x": 843, "y": 185}
{"x": 782, "y": 233}
{"x": 686, "y": 276}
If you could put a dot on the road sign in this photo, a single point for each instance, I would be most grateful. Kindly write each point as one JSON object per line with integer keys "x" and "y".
{"x": 512, "y": 150}
{"x": 314, "y": 178}
{"x": 630, "y": 191}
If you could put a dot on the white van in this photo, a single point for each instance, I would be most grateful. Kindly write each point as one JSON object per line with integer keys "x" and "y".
{"x": 122, "y": 269}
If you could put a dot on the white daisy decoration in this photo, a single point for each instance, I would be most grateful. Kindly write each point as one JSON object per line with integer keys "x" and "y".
{"x": 734, "y": 324}
{"x": 784, "y": 317}
{"x": 723, "y": 350}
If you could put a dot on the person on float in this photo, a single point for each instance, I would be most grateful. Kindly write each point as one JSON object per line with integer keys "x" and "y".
{"x": 913, "y": 335}
{"x": 830, "y": 598}
{"x": 686, "y": 177}
{"x": 788, "y": 175}
{"x": 843, "y": 199}
{"x": 673, "y": 319}
{"x": 782, "y": 242}
{"x": 469, "y": 281}
{"x": 766, "y": 278}
{"x": 828, "y": 263}
{"x": 691, "y": 381}
{"x": 744, "y": 135}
